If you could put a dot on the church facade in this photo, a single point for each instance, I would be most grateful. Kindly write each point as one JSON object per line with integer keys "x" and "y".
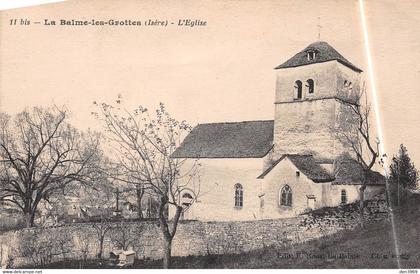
{"x": 290, "y": 165}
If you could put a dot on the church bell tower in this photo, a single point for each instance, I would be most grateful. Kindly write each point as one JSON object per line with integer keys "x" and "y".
{"x": 310, "y": 89}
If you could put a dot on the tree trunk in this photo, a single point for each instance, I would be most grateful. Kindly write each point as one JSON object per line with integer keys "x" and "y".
{"x": 167, "y": 250}
{"x": 29, "y": 219}
{"x": 167, "y": 237}
{"x": 101, "y": 248}
{"x": 139, "y": 192}
{"x": 32, "y": 218}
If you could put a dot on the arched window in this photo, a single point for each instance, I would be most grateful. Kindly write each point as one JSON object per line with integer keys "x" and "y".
{"x": 187, "y": 199}
{"x": 286, "y": 196}
{"x": 298, "y": 89}
{"x": 343, "y": 196}
{"x": 310, "y": 86}
{"x": 239, "y": 195}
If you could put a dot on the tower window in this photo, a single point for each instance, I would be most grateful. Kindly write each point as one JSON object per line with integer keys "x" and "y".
{"x": 310, "y": 86}
{"x": 347, "y": 84}
{"x": 298, "y": 89}
{"x": 286, "y": 196}
{"x": 239, "y": 196}
{"x": 311, "y": 55}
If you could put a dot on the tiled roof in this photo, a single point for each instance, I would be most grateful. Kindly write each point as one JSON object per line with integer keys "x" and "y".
{"x": 309, "y": 166}
{"x": 250, "y": 139}
{"x": 323, "y": 53}
{"x": 349, "y": 172}
{"x": 306, "y": 164}
{"x": 346, "y": 172}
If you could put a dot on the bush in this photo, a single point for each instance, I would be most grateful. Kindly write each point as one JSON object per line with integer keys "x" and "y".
{"x": 43, "y": 246}
{"x": 11, "y": 223}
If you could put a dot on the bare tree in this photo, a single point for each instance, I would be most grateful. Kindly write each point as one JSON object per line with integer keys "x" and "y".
{"x": 102, "y": 227}
{"x": 144, "y": 143}
{"x": 40, "y": 153}
{"x": 84, "y": 245}
{"x": 139, "y": 195}
{"x": 44, "y": 246}
{"x": 125, "y": 235}
{"x": 355, "y": 134}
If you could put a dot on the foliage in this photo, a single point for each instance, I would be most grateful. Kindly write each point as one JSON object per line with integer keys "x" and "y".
{"x": 403, "y": 177}
{"x": 403, "y": 171}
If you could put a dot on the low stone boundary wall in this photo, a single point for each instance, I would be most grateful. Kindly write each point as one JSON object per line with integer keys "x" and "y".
{"x": 38, "y": 246}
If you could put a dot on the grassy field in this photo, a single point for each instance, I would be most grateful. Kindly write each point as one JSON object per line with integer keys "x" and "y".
{"x": 371, "y": 246}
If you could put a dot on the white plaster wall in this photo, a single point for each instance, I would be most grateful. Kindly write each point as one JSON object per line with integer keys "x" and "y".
{"x": 217, "y": 190}
{"x": 326, "y": 195}
{"x": 353, "y": 193}
{"x": 285, "y": 174}
{"x": 219, "y": 176}
{"x": 335, "y": 194}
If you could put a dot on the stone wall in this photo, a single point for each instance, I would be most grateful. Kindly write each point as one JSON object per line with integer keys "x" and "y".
{"x": 39, "y": 246}
{"x": 306, "y": 126}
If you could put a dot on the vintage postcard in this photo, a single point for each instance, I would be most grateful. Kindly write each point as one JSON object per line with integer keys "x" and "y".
{"x": 210, "y": 134}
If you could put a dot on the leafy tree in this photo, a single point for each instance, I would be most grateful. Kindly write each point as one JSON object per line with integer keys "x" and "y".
{"x": 40, "y": 154}
{"x": 403, "y": 173}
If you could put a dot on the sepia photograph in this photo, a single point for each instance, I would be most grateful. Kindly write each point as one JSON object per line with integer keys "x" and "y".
{"x": 224, "y": 134}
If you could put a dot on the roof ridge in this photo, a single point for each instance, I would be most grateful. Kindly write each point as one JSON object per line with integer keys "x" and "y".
{"x": 237, "y": 122}
{"x": 326, "y": 53}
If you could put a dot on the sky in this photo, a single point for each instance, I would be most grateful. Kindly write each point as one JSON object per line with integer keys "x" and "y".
{"x": 220, "y": 72}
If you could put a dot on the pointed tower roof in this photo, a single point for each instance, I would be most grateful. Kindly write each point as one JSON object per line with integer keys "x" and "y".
{"x": 323, "y": 53}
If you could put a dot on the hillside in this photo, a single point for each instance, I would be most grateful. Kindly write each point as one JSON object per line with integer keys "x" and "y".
{"x": 369, "y": 247}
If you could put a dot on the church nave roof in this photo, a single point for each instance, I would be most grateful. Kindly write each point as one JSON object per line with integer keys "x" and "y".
{"x": 249, "y": 139}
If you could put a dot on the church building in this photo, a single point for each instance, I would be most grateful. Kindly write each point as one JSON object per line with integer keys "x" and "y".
{"x": 290, "y": 165}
